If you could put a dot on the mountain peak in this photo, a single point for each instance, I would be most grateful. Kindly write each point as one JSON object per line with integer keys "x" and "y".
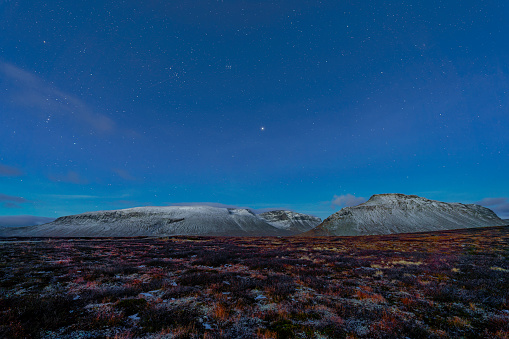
{"x": 394, "y": 198}
{"x": 400, "y": 213}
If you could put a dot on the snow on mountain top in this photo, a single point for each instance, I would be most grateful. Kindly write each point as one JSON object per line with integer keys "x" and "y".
{"x": 292, "y": 221}
{"x": 391, "y": 198}
{"x": 400, "y": 213}
{"x": 158, "y": 221}
{"x": 174, "y": 211}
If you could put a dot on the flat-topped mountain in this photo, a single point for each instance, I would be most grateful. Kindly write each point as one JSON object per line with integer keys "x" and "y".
{"x": 290, "y": 221}
{"x": 400, "y": 213}
{"x": 155, "y": 221}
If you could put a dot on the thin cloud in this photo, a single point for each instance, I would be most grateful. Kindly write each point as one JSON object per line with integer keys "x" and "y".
{"x": 124, "y": 174}
{"x": 491, "y": 201}
{"x": 10, "y": 171}
{"x": 211, "y": 204}
{"x": 23, "y": 220}
{"x": 32, "y": 92}
{"x": 346, "y": 200}
{"x": 499, "y": 205}
{"x": 11, "y": 205}
{"x": 71, "y": 196}
{"x": 10, "y": 201}
{"x": 71, "y": 177}
{"x": 11, "y": 198}
{"x": 132, "y": 203}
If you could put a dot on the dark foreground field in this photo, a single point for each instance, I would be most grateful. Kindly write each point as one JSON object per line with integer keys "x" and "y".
{"x": 447, "y": 284}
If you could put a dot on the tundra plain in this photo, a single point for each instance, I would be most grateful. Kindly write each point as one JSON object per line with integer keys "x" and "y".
{"x": 446, "y": 284}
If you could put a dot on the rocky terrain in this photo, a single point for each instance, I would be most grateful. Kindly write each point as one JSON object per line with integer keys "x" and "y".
{"x": 170, "y": 220}
{"x": 399, "y": 213}
{"x": 290, "y": 221}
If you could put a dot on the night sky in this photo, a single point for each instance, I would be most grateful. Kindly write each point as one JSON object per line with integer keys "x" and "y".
{"x": 304, "y": 105}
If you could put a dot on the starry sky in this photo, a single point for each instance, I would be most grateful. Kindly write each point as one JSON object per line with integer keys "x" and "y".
{"x": 297, "y": 104}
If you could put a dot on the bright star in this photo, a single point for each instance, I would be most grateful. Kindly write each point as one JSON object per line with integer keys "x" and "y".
{"x": 262, "y": 128}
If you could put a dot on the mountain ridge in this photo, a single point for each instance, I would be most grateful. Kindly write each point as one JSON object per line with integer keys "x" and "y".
{"x": 157, "y": 221}
{"x": 290, "y": 221}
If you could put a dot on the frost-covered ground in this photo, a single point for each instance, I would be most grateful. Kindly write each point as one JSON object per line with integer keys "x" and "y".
{"x": 446, "y": 284}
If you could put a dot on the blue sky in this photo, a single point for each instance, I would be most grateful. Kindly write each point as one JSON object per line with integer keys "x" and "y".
{"x": 306, "y": 105}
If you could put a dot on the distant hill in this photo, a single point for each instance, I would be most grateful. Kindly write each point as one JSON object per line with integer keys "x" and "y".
{"x": 161, "y": 221}
{"x": 400, "y": 213}
{"x": 23, "y": 220}
{"x": 290, "y": 221}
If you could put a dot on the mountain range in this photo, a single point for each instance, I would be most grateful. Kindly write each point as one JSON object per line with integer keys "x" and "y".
{"x": 381, "y": 214}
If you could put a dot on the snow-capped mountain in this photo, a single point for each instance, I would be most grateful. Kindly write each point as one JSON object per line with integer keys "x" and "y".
{"x": 399, "y": 213}
{"x": 290, "y": 221}
{"x": 154, "y": 221}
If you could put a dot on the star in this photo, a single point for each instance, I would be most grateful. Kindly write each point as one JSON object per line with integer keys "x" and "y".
{"x": 262, "y": 128}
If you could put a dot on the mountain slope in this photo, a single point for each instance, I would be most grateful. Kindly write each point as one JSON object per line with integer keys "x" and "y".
{"x": 399, "y": 213}
{"x": 290, "y": 221}
{"x": 155, "y": 221}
